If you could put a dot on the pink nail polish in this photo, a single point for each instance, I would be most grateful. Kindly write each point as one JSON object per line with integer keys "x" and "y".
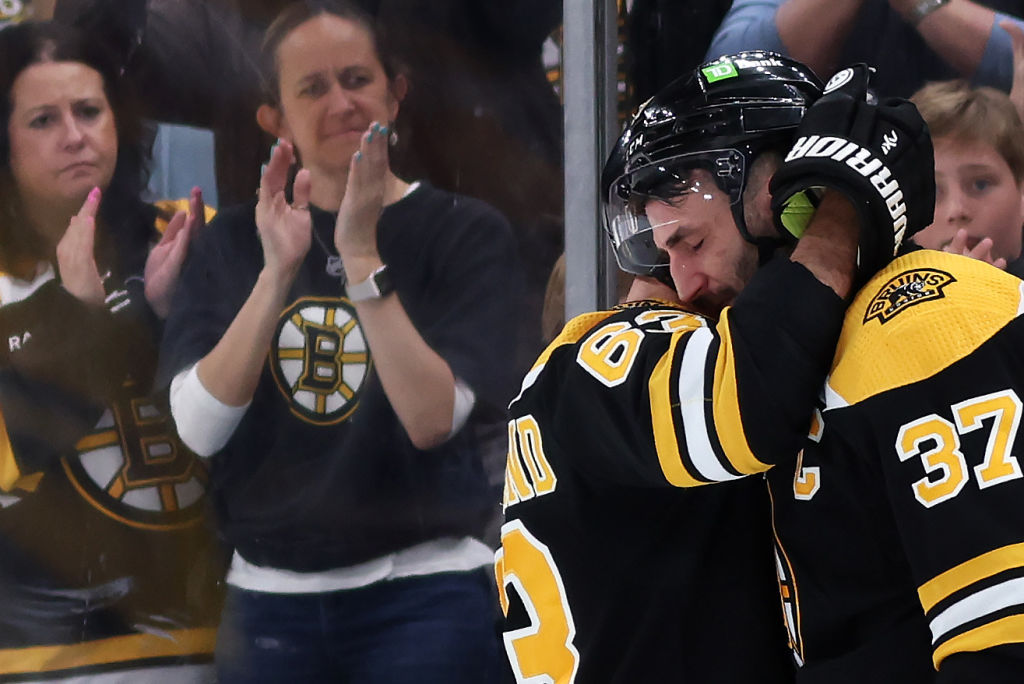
{"x": 94, "y": 194}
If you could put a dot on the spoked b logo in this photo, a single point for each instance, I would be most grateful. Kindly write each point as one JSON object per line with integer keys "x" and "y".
{"x": 320, "y": 359}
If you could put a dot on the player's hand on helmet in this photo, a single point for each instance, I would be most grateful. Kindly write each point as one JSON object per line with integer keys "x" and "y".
{"x": 355, "y": 233}
{"x": 284, "y": 229}
{"x": 878, "y": 154}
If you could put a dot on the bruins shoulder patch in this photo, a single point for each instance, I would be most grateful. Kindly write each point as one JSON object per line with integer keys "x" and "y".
{"x": 906, "y": 290}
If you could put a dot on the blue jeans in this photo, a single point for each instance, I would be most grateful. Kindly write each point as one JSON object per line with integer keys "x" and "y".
{"x": 419, "y": 630}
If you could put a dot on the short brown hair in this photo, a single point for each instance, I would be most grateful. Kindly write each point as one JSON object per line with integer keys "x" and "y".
{"x": 984, "y": 115}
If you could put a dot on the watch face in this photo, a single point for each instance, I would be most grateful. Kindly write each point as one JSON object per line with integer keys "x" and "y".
{"x": 382, "y": 278}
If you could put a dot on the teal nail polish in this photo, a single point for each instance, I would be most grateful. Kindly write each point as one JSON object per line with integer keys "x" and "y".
{"x": 359, "y": 155}
{"x": 263, "y": 169}
{"x": 369, "y": 138}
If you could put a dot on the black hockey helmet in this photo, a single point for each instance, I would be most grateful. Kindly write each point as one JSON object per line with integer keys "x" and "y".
{"x": 719, "y": 117}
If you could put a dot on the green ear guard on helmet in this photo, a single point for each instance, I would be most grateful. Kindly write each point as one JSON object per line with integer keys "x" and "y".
{"x": 798, "y": 211}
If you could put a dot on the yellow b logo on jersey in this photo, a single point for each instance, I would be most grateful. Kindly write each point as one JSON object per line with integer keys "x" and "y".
{"x": 320, "y": 359}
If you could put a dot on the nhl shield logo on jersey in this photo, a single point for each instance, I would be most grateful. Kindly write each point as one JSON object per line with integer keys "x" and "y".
{"x": 906, "y": 290}
{"x": 320, "y": 359}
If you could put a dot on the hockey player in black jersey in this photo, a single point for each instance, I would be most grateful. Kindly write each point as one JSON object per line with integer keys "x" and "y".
{"x": 899, "y": 530}
{"x": 608, "y": 570}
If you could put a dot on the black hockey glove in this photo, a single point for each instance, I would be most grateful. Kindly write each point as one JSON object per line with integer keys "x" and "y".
{"x": 879, "y": 155}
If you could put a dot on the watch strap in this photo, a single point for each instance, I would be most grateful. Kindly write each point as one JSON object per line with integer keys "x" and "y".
{"x": 376, "y": 286}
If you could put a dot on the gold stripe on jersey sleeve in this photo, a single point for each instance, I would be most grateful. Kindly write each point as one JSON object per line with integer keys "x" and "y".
{"x": 182, "y": 642}
{"x": 11, "y": 477}
{"x": 969, "y": 572}
{"x": 666, "y": 442}
{"x": 1007, "y": 630}
{"x": 726, "y": 407}
{"x": 921, "y": 331}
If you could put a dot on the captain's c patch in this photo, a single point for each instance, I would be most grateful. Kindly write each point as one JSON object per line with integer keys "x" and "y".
{"x": 905, "y": 290}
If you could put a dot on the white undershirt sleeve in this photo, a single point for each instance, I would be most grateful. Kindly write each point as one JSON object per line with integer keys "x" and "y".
{"x": 465, "y": 399}
{"x": 204, "y": 422}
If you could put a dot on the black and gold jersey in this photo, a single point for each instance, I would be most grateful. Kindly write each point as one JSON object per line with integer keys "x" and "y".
{"x": 900, "y": 530}
{"x": 609, "y": 571}
{"x": 108, "y": 561}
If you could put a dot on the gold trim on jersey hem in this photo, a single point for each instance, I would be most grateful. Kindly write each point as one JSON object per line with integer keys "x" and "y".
{"x": 969, "y": 572}
{"x": 182, "y": 642}
{"x": 780, "y": 550}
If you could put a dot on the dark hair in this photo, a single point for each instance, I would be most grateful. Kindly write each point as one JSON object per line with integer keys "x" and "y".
{"x": 297, "y": 13}
{"x": 122, "y": 209}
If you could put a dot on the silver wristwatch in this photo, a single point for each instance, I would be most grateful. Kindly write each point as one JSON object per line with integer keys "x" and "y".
{"x": 376, "y": 286}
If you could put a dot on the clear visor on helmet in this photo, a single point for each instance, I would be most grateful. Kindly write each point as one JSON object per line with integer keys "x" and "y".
{"x": 695, "y": 175}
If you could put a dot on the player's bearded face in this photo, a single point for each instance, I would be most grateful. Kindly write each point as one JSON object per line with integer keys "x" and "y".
{"x": 709, "y": 260}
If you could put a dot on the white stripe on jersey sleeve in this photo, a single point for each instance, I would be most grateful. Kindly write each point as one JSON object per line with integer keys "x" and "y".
{"x": 528, "y": 381}
{"x": 1020, "y": 301}
{"x": 977, "y": 605}
{"x": 694, "y": 408}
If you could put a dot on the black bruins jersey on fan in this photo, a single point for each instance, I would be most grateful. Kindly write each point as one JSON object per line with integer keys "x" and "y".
{"x": 608, "y": 572}
{"x": 901, "y": 529}
{"x": 107, "y": 561}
